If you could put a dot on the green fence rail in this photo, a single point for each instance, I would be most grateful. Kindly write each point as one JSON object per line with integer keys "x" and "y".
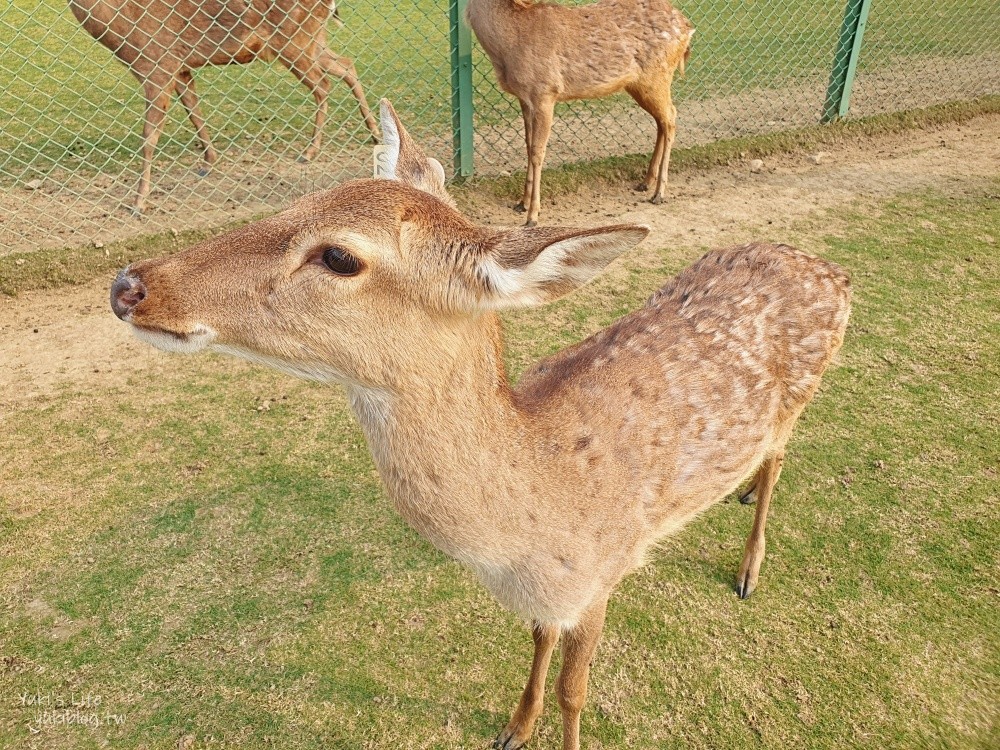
{"x": 845, "y": 61}
{"x": 71, "y": 113}
{"x": 461, "y": 89}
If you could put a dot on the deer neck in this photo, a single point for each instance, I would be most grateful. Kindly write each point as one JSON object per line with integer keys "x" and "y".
{"x": 446, "y": 438}
{"x": 492, "y": 18}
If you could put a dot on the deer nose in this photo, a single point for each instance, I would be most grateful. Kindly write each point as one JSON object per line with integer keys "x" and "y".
{"x": 126, "y": 293}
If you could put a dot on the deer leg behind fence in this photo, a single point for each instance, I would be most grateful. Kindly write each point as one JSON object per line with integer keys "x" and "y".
{"x": 189, "y": 98}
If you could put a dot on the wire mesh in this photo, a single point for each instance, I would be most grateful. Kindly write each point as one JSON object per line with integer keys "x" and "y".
{"x": 918, "y": 53}
{"x": 72, "y": 113}
{"x": 755, "y": 67}
{"x": 764, "y": 66}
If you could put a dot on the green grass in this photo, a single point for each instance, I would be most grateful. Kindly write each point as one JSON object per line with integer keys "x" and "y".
{"x": 209, "y": 564}
{"x": 70, "y": 105}
{"x": 75, "y": 105}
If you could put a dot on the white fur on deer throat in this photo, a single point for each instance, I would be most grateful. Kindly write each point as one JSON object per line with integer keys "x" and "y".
{"x": 371, "y": 406}
{"x": 199, "y": 338}
{"x": 316, "y": 371}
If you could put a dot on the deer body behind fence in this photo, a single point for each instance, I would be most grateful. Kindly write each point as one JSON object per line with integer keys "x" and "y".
{"x": 551, "y": 490}
{"x": 163, "y": 41}
{"x": 545, "y": 53}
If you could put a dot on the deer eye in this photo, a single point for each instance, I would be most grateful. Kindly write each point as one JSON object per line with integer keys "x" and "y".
{"x": 341, "y": 262}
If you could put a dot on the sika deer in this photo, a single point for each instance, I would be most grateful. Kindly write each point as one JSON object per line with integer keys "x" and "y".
{"x": 544, "y": 53}
{"x": 552, "y": 490}
{"x": 163, "y": 41}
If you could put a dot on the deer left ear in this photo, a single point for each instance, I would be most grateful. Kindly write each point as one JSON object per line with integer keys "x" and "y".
{"x": 531, "y": 266}
{"x": 405, "y": 161}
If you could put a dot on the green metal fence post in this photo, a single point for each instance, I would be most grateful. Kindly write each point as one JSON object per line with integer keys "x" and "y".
{"x": 461, "y": 89}
{"x": 845, "y": 61}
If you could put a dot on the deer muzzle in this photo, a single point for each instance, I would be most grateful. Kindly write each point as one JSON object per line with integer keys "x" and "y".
{"x": 127, "y": 292}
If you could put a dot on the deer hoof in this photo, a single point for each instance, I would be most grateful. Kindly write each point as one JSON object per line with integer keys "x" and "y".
{"x": 744, "y": 589}
{"x": 204, "y": 171}
{"x": 519, "y": 207}
{"x": 136, "y": 211}
{"x": 303, "y": 159}
{"x": 642, "y": 187}
{"x": 506, "y": 740}
{"x": 656, "y": 200}
{"x": 531, "y": 223}
{"x": 749, "y": 497}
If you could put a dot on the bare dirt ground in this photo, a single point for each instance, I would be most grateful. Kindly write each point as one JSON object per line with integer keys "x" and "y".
{"x": 68, "y": 338}
{"x": 72, "y": 206}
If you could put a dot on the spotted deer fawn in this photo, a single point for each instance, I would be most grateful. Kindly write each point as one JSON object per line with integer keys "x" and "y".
{"x": 552, "y": 490}
{"x": 544, "y": 53}
{"x": 163, "y": 41}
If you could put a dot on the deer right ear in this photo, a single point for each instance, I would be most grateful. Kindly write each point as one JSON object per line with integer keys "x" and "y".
{"x": 405, "y": 161}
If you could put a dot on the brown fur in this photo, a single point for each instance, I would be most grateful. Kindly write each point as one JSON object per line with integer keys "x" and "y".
{"x": 163, "y": 41}
{"x": 554, "y": 489}
{"x": 545, "y": 53}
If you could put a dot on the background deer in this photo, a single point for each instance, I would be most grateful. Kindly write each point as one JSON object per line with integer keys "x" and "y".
{"x": 552, "y": 490}
{"x": 163, "y": 41}
{"x": 544, "y": 53}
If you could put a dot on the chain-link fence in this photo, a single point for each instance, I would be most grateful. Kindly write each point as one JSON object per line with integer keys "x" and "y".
{"x": 766, "y": 66}
{"x": 72, "y": 123}
{"x": 72, "y": 114}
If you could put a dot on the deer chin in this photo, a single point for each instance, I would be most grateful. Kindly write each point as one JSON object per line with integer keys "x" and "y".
{"x": 182, "y": 342}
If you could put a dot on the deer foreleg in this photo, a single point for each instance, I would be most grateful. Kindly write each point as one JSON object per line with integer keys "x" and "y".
{"x": 579, "y": 645}
{"x": 519, "y": 728}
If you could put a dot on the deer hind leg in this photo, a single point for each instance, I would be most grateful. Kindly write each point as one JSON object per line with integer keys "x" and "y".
{"x": 643, "y": 99}
{"x": 541, "y": 127}
{"x": 306, "y": 67}
{"x": 749, "y": 495}
{"x": 343, "y": 68}
{"x": 528, "y": 178}
{"x": 189, "y": 98}
{"x": 519, "y": 728}
{"x": 753, "y": 554}
{"x": 653, "y": 95}
{"x": 157, "y": 92}
{"x": 579, "y": 645}
{"x": 670, "y": 128}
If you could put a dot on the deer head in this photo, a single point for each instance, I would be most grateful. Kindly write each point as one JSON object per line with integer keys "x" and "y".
{"x": 361, "y": 284}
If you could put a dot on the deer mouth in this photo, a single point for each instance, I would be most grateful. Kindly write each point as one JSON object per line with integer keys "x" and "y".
{"x": 183, "y": 342}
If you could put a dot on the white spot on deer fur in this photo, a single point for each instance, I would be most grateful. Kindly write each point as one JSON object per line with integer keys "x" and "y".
{"x": 649, "y": 493}
{"x": 739, "y": 391}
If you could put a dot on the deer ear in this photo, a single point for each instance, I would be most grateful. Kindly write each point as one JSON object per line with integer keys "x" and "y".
{"x": 532, "y": 266}
{"x": 405, "y": 161}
